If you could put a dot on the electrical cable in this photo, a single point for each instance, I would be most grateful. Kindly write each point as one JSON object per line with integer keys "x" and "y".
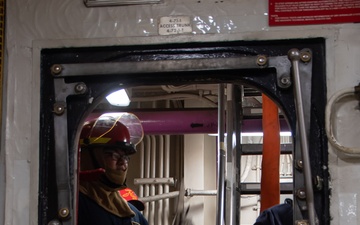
{"x": 351, "y": 151}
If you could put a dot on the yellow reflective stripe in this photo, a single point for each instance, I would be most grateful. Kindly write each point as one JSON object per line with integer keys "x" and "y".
{"x": 102, "y": 140}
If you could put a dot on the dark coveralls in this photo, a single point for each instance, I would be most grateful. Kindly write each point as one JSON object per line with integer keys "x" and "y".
{"x": 281, "y": 214}
{"x": 90, "y": 213}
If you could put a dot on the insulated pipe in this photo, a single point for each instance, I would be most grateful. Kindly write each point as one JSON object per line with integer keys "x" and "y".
{"x": 190, "y": 193}
{"x": 147, "y": 174}
{"x": 294, "y": 56}
{"x": 179, "y": 122}
{"x": 141, "y": 164}
{"x": 153, "y": 163}
{"x": 164, "y": 196}
{"x": 270, "y": 176}
{"x": 160, "y": 167}
{"x": 189, "y": 122}
{"x": 166, "y": 174}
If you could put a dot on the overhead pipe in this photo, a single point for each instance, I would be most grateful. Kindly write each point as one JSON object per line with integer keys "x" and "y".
{"x": 197, "y": 121}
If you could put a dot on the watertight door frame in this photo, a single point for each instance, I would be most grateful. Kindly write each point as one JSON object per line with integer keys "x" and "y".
{"x": 77, "y": 79}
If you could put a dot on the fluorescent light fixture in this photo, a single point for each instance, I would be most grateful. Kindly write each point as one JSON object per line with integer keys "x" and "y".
{"x": 99, "y": 3}
{"x": 118, "y": 98}
{"x": 257, "y": 134}
{"x": 260, "y": 134}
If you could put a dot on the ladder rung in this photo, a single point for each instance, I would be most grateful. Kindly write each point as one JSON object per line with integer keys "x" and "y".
{"x": 256, "y": 149}
{"x": 254, "y": 188}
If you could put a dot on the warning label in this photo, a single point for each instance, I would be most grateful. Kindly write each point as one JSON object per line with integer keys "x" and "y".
{"x": 306, "y": 12}
{"x": 175, "y": 25}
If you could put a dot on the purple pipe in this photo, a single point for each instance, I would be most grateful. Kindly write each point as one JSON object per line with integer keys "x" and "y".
{"x": 195, "y": 121}
{"x": 179, "y": 122}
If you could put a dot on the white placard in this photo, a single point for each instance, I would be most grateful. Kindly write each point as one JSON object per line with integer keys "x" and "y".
{"x": 175, "y": 25}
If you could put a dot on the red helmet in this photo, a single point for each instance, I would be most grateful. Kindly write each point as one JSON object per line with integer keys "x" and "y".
{"x": 106, "y": 131}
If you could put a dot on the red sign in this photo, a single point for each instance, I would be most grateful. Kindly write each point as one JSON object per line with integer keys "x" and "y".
{"x": 306, "y": 12}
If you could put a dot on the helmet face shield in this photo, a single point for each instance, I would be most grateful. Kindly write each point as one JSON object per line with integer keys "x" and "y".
{"x": 106, "y": 131}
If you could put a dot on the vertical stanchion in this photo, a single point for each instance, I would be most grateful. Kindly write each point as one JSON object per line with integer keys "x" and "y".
{"x": 221, "y": 158}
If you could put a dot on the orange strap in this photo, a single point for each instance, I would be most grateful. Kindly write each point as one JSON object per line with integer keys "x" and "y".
{"x": 270, "y": 175}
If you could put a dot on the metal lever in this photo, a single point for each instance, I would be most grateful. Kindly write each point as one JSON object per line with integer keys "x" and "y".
{"x": 294, "y": 56}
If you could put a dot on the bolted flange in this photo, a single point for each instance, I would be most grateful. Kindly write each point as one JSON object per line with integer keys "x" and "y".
{"x": 80, "y": 88}
{"x": 299, "y": 164}
{"x": 305, "y": 56}
{"x": 56, "y": 69}
{"x": 300, "y": 193}
{"x": 285, "y": 81}
{"x": 64, "y": 213}
{"x": 59, "y": 108}
{"x": 261, "y": 60}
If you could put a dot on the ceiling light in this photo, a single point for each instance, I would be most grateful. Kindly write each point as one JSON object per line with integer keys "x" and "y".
{"x": 118, "y": 98}
{"x": 258, "y": 134}
{"x": 99, "y": 3}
